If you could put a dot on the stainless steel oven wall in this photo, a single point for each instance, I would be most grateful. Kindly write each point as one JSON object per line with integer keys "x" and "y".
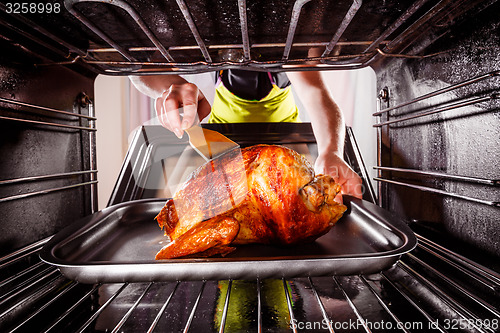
{"x": 47, "y": 170}
{"x": 440, "y": 115}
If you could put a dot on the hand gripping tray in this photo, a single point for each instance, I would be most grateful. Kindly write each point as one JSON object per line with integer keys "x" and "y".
{"x": 118, "y": 244}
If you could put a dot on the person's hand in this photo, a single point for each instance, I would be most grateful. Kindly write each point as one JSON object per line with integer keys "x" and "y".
{"x": 335, "y": 166}
{"x": 186, "y": 97}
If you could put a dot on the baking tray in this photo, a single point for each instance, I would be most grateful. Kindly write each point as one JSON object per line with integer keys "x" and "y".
{"x": 118, "y": 244}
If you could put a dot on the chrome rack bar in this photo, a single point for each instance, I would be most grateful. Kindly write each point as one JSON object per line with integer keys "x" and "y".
{"x": 462, "y": 311}
{"x": 132, "y": 13}
{"x": 45, "y": 177}
{"x": 495, "y": 182}
{"x": 440, "y": 91}
{"x": 289, "y": 303}
{"x": 297, "y": 8}
{"x": 485, "y": 282}
{"x": 32, "y": 38}
{"x": 474, "y": 266}
{"x": 361, "y": 163}
{"x": 351, "y": 304}
{"x": 232, "y": 46}
{"x": 204, "y": 66}
{"x": 402, "y": 19}
{"x": 189, "y": 20}
{"x": 43, "y": 31}
{"x": 323, "y": 311}
{"x": 37, "y": 28}
{"x": 46, "y": 305}
{"x": 431, "y": 14}
{"x": 92, "y": 158}
{"x": 98, "y": 312}
{"x": 356, "y": 4}
{"x": 162, "y": 310}
{"x": 21, "y": 253}
{"x": 442, "y": 192}
{"x": 34, "y": 281}
{"x": 441, "y": 109}
{"x": 485, "y": 305}
{"x": 132, "y": 308}
{"x": 43, "y": 108}
{"x": 420, "y": 21}
{"x": 48, "y": 124}
{"x": 242, "y": 7}
{"x": 41, "y": 292}
{"x": 191, "y": 316}
{"x": 23, "y": 285}
{"x": 382, "y": 303}
{"x": 26, "y": 195}
{"x": 69, "y": 4}
{"x": 415, "y": 305}
{"x": 26, "y": 271}
{"x": 259, "y": 307}
{"x": 226, "y": 307}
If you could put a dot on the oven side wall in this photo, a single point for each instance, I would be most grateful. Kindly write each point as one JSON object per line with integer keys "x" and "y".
{"x": 463, "y": 140}
{"x": 43, "y": 167}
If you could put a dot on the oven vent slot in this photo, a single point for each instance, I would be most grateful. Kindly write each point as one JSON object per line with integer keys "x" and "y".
{"x": 431, "y": 289}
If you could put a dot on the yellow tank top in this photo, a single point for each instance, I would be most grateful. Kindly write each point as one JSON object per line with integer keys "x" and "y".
{"x": 278, "y": 106}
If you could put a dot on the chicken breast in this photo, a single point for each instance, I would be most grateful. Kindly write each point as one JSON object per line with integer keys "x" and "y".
{"x": 265, "y": 194}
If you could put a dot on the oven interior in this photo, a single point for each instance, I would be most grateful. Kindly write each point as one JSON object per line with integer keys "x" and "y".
{"x": 437, "y": 119}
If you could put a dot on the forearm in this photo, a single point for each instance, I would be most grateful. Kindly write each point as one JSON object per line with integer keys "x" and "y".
{"x": 326, "y": 117}
{"x": 154, "y": 85}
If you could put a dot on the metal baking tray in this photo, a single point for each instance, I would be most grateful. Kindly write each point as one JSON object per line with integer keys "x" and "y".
{"x": 118, "y": 244}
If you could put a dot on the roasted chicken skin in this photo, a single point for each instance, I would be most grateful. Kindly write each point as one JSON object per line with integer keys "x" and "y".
{"x": 264, "y": 194}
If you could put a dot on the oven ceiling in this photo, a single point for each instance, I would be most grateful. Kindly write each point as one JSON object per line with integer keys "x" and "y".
{"x": 124, "y": 37}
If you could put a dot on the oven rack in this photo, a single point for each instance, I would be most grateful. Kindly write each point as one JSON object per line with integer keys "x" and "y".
{"x": 430, "y": 289}
{"x": 396, "y": 37}
{"x": 56, "y": 120}
{"x": 344, "y": 62}
{"x": 479, "y": 90}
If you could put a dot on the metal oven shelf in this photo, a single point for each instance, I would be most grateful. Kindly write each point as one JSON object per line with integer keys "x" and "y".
{"x": 428, "y": 290}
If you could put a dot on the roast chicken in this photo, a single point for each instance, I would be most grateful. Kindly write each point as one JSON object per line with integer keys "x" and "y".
{"x": 265, "y": 194}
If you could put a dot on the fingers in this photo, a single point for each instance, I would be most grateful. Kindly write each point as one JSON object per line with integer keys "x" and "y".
{"x": 171, "y": 109}
{"x": 350, "y": 182}
{"x": 341, "y": 172}
{"x": 190, "y": 95}
{"x": 159, "y": 112}
{"x": 186, "y": 97}
{"x": 353, "y": 186}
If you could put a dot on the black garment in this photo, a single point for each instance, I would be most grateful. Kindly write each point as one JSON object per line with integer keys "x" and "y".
{"x": 251, "y": 85}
